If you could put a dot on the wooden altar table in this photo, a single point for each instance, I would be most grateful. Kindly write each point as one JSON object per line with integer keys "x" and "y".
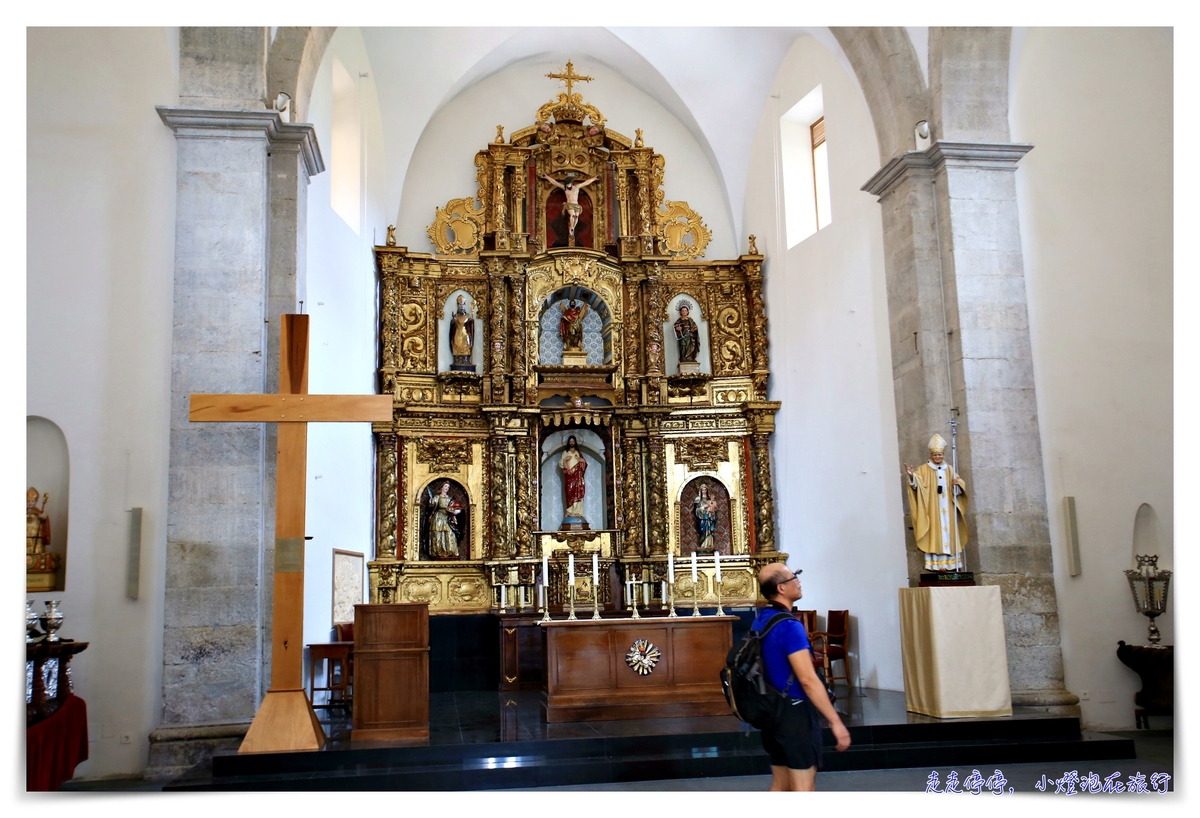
{"x": 588, "y": 677}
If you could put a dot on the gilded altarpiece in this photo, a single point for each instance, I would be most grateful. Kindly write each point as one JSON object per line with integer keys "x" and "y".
{"x": 571, "y": 436}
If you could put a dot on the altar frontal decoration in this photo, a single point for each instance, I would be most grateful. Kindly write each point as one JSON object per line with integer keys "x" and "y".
{"x": 570, "y": 377}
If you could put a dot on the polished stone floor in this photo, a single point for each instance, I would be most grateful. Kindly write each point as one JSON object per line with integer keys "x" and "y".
{"x": 471, "y": 717}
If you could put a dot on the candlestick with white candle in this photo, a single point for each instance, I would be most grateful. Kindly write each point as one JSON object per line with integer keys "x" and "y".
{"x": 670, "y": 569}
{"x": 545, "y": 569}
{"x": 717, "y": 563}
{"x": 503, "y": 596}
{"x": 695, "y": 577}
{"x": 595, "y": 569}
{"x": 570, "y": 569}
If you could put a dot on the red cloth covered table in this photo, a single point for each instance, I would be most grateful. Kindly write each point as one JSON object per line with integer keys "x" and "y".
{"x": 56, "y": 745}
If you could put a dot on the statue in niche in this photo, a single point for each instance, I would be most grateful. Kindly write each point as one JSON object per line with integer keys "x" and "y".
{"x": 570, "y": 325}
{"x": 443, "y": 523}
{"x": 687, "y": 335}
{"x": 704, "y": 510}
{"x": 937, "y": 500}
{"x": 571, "y": 190}
{"x": 574, "y": 467}
{"x": 462, "y": 337}
{"x": 37, "y": 523}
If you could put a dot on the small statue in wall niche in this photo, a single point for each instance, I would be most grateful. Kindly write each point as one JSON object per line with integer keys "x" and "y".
{"x": 574, "y": 467}
{"x": 37, "y": 523}
{"x": 443, "y": 524}
{"x": 687, "y": 334}
{"x": 570, "y": 325}
{"x": 462, "y": 337}
{"x": 753, "y": 247}
{"x": 391, "y": 236}
{"x": 704, "y": 509}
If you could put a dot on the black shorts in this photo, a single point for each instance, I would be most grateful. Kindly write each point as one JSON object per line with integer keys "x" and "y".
{"x": 796, "y": 742}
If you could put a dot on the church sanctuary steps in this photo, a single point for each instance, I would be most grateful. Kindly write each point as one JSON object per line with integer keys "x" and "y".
{"x": 473, "y": 758}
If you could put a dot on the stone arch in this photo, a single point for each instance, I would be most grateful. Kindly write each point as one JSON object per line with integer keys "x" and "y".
{"x": 889, "y": 74}
{"x": 292, "y": 63}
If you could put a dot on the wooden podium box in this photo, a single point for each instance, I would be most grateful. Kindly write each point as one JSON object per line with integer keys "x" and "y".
{"x": 588, "y": 678}
{"x": 391, "y": 672}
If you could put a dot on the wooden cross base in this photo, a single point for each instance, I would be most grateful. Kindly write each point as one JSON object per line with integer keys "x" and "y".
{"x": 285, "y": 721}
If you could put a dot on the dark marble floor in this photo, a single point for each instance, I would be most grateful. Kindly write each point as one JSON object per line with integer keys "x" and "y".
{"x": 480, "y": 717}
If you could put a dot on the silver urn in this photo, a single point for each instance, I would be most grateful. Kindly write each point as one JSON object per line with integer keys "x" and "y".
{"x": 32, "y": 634}
{"x": 52, "y": 619}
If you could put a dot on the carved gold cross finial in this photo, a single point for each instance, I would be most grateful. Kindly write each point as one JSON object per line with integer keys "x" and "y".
{"x": 569, "y": 77}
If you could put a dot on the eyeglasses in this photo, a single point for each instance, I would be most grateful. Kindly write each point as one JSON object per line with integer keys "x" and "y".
{"x": 795, "y": 576}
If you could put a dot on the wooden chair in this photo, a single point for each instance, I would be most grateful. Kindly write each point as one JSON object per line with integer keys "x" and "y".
{"x": 816, "y": 639}
{"x": 836, "y": 636}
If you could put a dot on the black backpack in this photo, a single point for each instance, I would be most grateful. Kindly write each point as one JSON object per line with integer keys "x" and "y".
{"x": 751, "y": 696}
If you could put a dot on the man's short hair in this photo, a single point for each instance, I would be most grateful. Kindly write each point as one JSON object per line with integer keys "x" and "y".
{"x": 769, "y": 587}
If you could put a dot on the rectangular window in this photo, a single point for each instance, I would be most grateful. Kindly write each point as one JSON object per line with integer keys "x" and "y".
{"x": 820, "y": 163}
{"x": 804, "y": 168}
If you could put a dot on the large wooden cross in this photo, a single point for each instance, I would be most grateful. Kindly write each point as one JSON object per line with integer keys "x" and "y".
{"x": 285, "y": 719}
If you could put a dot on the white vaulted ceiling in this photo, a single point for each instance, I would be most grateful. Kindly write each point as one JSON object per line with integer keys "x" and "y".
{"x": 714, "y": 80}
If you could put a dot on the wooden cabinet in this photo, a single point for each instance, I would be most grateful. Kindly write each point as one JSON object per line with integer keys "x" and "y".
{"x": 391, "y": 672}
{"x": 588, "y": 677}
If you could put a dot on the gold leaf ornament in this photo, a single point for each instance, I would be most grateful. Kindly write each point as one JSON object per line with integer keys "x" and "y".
{"x": 683, "y": 231}
{"x": 457, "y": 228}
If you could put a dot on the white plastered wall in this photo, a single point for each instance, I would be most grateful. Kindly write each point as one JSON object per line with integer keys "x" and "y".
{"x": 101, "y": 220}
{"x": 443, "y": 168}
{"x": 837, "y": 473}
{"x": 1096, "y": 226}
{"x": 341, "y": 300}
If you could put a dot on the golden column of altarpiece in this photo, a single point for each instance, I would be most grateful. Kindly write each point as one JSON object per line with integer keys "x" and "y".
{"x": 519, "y": 339}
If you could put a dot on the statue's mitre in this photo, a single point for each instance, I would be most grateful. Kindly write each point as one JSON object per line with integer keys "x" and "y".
{"x": 937, "y": 444}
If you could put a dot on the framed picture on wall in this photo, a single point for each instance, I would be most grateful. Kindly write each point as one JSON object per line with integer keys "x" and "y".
{"x": 347, "y": 584}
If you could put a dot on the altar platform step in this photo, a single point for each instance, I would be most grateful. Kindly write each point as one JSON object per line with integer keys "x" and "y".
{"x": 496, "y": 741}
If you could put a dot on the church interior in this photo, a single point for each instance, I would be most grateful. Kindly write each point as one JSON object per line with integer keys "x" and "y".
{"x": 592, "y": 325}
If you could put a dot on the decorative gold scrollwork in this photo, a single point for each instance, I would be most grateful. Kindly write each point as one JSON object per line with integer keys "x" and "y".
{"x": 677, "y": 223}
{"x": 457, "y": 228}
{"x": 702, "y": 453}
{"x": 444, "y": 454}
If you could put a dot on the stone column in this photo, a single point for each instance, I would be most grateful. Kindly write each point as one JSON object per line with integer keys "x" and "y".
{"x": 242, "y": 176}
{"x": 961, "y": 349}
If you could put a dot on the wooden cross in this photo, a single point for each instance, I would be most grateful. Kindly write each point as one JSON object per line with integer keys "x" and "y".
{"x": 570, "y": 78}
{"x": 285, "y": 719}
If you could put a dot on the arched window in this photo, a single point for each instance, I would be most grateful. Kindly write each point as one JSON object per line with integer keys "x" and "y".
{"x": 345, "y": 183}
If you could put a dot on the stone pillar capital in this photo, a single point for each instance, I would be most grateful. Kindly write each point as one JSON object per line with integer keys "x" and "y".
{"x": 203, "y": 123}
{"x": 939, "y": 155}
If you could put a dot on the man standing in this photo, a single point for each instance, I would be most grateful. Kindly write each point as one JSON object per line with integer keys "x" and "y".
{"x": 794, "y": 745}
{"x": 933, "y": 490}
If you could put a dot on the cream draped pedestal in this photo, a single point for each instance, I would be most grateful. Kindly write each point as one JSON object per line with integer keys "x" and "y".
{"x": 952, "y": 644}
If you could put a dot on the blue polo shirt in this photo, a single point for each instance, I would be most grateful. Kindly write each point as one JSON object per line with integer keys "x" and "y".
{"x": 785, "y": 638}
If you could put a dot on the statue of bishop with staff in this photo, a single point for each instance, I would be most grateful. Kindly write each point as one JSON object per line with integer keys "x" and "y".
{"x": 937, "y": 500}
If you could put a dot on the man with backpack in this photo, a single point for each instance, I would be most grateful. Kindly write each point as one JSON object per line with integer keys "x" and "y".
{"x": 792, "y": 738}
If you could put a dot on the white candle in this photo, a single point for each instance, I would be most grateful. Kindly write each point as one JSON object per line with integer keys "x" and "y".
{"x": 628, "y": 594}
{"x": 646, "y": 594}
{"x": 595, "y": 569}
{"x": 570, "y": 569}
{"x": 521, "y": 594}
{"x": 694, "y": 577}
{"x": 671, "y": 567}
{"x": 717, "y": 563}
{"x": 545, "y": 569}
{"x": 503, "y": 595}
{"x": 664, "y": 597}
{"x": 542, "y": 595}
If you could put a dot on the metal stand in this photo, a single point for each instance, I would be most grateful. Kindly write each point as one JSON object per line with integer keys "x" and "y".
{"x": 695, "y": 599}
{"x": 720, "y": 610}
{"x": 595, "y": 601}
{"x": 671, "y": 597}
{"x": 633, "y": 599}
{"x": 572, "y": 617}
{"x": 545, "y": 615}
